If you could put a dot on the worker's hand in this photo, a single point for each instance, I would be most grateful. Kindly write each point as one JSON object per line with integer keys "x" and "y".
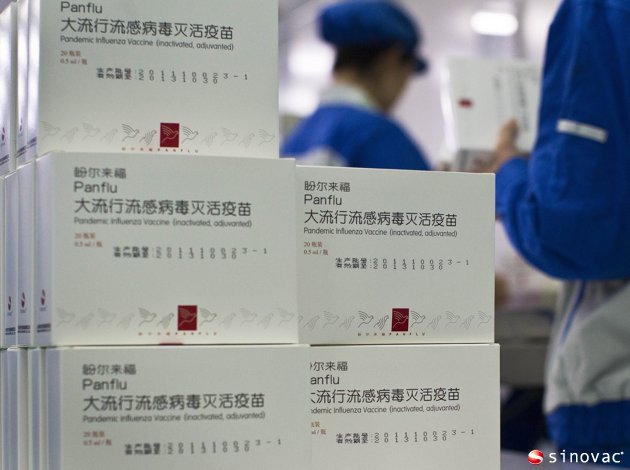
{"x": 506, "y": 143}
{"x": 501, "y": 291}
{"x": 504, "y": 149}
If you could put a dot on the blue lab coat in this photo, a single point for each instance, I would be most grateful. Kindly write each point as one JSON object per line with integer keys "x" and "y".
{"x": 567, "y": 210}
{"x": 347, "y": 130}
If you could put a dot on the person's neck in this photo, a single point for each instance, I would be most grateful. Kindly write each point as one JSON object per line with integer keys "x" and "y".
{"x": 354, "y": 79}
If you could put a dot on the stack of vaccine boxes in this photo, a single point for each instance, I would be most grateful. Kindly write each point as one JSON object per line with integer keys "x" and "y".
{"x": 156, "y": 313}
{"x": 395, "y": 293}
{"x": 150, "y": 299}
{"x": 8, "y": 60}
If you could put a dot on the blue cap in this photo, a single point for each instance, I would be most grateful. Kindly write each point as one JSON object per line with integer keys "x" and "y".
{"x": 370, "y": 23}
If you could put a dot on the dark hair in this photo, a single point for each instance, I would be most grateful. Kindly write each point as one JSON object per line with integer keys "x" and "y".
{"x": 362, "y": 58}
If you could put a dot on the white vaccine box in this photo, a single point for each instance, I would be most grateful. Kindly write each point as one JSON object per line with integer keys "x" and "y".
{"x": 142, "y": 249}
{"x": 10, "y": 301}
{"x": 16, "y": 409}
{"x": 411, "y": 406}
{"x": 139, "y": 407}
{"x": 3, "y": 273}
{"x": 4, "y": 392}
{"x": 23, "y": 409}
{"x": 8, "y": 62}
{"x": 153, "y": 77}
{"x": 388, "y": 256}
{"x": 36, "y": 401}
{"x": 20, "y": 128}
{"x": 482, "y": 95}
{"x": 26, "y": 253}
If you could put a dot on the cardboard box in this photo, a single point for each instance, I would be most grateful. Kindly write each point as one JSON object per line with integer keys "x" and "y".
{"x": 8, "y": 62}
{"x": 142, "y": 249}
{"x": 395, "y": 256}
{"x": 482, "y": 95}
{"x": 376, "y": 407}
{"x": 153, "y": 77}
{"x": 10, "y": 301}
{"x": 138, "y": 407}
{"x": 26, "y": 253}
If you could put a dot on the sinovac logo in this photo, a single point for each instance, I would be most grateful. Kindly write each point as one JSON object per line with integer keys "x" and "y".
{"x": 536, "y": 457}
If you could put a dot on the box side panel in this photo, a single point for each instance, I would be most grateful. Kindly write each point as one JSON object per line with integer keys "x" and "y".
{"x": 34, "y": 395}
{"x": 10, "y": 303}
{"x": 26, "y": 253}
{"x": 23, "y": 423}
{"x": 20, "y": 132}
{"x": 6, "y": 84}
{"x": 44, "y": 240}
{"x": 53, "y": 378}
{"x": 3, "y": 272}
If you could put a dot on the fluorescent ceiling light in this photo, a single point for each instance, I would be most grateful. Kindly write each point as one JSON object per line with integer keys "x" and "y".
{"x": 494, "y": 23}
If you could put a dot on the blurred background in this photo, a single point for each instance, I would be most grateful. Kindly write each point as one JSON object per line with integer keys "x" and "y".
{"x": 495, "y": 29}
{"x": 469, "y": 28}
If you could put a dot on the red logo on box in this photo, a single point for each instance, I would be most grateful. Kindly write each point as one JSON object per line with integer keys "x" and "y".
{"x": 400, "y": 319}
{"x": 169, "y": 135}
{"x": 187, "y": 318}
{"x": 465, "y": 103}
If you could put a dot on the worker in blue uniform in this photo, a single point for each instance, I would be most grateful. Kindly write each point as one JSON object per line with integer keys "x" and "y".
{"x": 375, "y": 44}
{"x": 567, "y": 210}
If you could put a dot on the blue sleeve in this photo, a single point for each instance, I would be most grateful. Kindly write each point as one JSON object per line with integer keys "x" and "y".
{"x": 520, "y": 211}
{"x": 568, "y": 210}
{"x": 389, "y": 147}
